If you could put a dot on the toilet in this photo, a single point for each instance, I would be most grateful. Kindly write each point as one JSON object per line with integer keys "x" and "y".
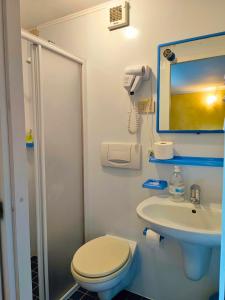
{"x": 105, "y": 265}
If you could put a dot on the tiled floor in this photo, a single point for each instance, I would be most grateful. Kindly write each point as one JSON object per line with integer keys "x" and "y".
{"x": 34, "y": 269}
{"x": 82, "y": 294}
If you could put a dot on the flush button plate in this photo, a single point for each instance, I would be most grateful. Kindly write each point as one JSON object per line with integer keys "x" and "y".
{"x": 121, "y": 155}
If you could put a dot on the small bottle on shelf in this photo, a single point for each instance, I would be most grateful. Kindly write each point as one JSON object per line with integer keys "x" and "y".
{"x": 176, "y": 185}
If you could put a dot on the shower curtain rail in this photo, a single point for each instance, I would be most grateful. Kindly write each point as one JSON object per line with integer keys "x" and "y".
{"x": 39, "y": 41}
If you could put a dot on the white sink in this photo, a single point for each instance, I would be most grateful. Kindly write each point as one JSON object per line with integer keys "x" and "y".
{"x": 184, "y": 220}
{"x": 197, "y": 228}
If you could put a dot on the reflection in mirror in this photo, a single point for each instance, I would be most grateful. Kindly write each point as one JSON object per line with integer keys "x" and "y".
{"x": 191, "y": 85}
{"x": 198, "y": 94}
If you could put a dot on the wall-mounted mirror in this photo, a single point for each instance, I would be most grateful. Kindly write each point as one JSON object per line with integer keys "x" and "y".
{"x": 191, "y": 85}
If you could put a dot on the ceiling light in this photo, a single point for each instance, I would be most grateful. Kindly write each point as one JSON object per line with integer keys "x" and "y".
{"x": 131, "y": 32}
{"x": 211, "y": 99}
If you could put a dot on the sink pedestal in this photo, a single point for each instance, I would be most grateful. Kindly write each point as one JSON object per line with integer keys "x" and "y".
{"x": 196, "y": 260}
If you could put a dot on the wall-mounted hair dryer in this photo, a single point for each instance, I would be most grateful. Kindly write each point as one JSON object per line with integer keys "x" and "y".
{"x": 134, "y": 75}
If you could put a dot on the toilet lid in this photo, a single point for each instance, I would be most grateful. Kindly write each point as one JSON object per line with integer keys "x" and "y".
{"x": 100, "y": 257}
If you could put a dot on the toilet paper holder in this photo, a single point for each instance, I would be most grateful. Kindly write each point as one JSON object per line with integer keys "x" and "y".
{"x": 145, "y": 232}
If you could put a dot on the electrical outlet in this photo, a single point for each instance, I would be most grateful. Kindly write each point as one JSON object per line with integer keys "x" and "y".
{"x": 146, "y": 106}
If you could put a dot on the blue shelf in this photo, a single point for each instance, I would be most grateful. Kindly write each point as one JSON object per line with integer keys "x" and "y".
{"x": 190, "y": 161}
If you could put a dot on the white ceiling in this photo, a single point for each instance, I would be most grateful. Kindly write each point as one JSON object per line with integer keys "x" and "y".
{"x": 35, "y": 12}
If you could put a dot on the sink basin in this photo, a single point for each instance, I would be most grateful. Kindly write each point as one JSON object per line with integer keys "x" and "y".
{"x": 184, "y": 220}
{"x": 196, "y": 227}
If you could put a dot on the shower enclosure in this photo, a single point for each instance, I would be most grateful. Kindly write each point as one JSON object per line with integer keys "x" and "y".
{"x": 53, "y": 114}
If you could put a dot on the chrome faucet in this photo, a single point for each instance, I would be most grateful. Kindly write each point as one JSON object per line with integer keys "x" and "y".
{"x": 195, "y": 194}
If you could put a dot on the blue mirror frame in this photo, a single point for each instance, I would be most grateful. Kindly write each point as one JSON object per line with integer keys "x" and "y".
{"x": 158, "y": 83}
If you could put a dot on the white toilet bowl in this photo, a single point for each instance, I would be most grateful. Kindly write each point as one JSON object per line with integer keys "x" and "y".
{"x": 105, "y": 265}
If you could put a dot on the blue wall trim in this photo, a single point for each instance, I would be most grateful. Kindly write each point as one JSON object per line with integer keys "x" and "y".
{"x": 158, "y": 83}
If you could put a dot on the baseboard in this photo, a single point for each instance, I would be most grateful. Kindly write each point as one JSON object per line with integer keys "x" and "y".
{"x": 138, "y": 294}
{"x": 70, "y": 292}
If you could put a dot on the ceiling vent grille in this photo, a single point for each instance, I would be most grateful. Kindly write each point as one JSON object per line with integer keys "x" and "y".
{"x": 119, "y": 15}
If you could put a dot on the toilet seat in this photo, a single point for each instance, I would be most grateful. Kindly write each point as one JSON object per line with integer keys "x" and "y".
{"x": 103, "y": 279}
{"x": 101, "y": 259}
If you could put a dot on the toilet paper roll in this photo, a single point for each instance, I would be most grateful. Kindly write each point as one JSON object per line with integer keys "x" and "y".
{"x": 135, "y": 70}
{"x": 152, "y": 238}
{"x": 163, "y": 150}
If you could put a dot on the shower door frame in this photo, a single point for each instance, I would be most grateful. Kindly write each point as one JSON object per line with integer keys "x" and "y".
{"x": 36, "y": 56}
{"x": 15, "y": 247}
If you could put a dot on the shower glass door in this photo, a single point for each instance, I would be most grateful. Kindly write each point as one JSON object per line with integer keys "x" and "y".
{"x": 61, "y": 109}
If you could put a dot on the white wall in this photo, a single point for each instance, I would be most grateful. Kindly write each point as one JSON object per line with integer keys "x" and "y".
{"x": 112, "y": 194}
